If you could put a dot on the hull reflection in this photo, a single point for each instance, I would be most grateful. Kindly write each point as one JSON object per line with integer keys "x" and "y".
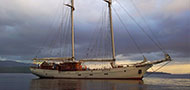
{"x": 78, "y": 84}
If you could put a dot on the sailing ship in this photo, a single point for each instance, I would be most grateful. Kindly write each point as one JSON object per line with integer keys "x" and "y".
{"x": 70, "y": 68}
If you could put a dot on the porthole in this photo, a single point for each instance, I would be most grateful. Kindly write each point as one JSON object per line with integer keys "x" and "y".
{"x": 105, "y": 73}
{"x": 91, "y": 74}
{"x": 79, "y": 74}
{"x": 124, "y": 70}
{"x": 140, "y": 71}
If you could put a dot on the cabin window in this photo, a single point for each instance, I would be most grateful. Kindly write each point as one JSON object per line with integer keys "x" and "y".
{"x": 79, "y": 74}
{"x": 105, "y": 73}
{"x": 91, "y": 74}
{"x": 124, "y": 70}
{"x": 140, "y": 71}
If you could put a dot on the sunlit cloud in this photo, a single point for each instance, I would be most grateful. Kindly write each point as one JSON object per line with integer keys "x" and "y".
{"x": 174, "y": 69}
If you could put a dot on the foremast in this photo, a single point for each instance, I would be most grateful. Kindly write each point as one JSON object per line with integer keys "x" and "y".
{"x": 111, "y": 31}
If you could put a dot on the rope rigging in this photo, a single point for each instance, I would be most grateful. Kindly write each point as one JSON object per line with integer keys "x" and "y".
{"x": 157, "y": 69}
{"x": 126, "y": 29}
{"x": 58, "y": 34}
{"x": 100, "y": 46}
{"x": 57, "y": 43}
{"x": 141, "y": 28}
{"x": 100, "y": 43}
{"x": 148, "y": 26}
{"x": 156, "y": 42}
{"x": 44, "y": 42}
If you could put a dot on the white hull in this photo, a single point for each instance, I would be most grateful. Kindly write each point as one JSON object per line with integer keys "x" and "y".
{"x": 131, "y": 72}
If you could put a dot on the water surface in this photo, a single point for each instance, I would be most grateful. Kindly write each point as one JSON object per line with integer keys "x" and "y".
{"x": 19, "y": 81}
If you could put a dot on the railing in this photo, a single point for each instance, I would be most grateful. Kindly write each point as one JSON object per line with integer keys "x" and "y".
{"x": 97, "y": 60}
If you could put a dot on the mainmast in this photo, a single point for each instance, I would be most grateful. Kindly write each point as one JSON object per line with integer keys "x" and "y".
{"x": 111, "y": 30}
{"x": 72, "y": 28}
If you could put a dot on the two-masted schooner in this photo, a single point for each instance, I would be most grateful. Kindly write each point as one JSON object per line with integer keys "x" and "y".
{"x": 70, "y": 68}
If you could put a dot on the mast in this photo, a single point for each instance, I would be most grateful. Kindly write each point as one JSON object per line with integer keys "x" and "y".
{"x": 112, "y": 33}
{"x": 72, "y": 28}
{"x": 111, "y": 28}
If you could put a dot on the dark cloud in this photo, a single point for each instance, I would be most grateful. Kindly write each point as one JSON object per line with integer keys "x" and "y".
{"x": 25, "y": 25}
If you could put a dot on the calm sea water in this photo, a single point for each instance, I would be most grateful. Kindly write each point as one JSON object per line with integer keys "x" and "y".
{"x": 19, "y": 81}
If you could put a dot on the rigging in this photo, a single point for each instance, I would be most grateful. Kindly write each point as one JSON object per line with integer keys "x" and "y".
{"x": 128, "y": 32}
{"x": 148, "y": 26}
{"x": 141, "y": 28}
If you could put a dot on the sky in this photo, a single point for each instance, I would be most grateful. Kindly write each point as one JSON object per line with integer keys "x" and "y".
{"x": 25, "y": 24}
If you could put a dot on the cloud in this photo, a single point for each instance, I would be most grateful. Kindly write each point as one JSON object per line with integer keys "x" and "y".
{"x": 177, "y": 6}
{"x": 25, "y": 25}
{"x": 174, "y": 69}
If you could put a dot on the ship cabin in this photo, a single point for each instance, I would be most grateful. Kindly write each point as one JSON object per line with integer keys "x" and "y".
{"x": 60, "y": 64}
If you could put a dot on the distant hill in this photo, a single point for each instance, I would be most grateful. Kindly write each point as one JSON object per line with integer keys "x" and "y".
{"x": 167, "y": 75}
{"x": 14, "y": 67}
{"x": 157, "y": 73}
{"x": 13, "y": 64}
